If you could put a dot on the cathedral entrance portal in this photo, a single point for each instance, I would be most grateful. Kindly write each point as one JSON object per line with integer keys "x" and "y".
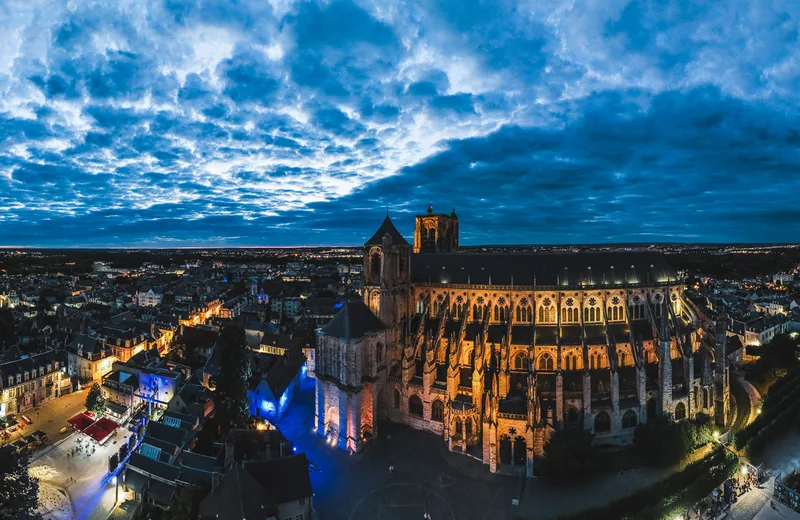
{"x": 520, "y": 453}
{"x": 505, "y": 449}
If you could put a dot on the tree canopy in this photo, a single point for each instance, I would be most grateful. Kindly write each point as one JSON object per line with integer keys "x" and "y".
{"x": 19, "y": 492}
{"x": 230, "y": 385}
{"x": 95, "y": 400}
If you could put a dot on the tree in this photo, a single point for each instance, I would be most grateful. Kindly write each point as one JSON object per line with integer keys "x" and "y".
{"x": 186, "y": 504}
{"x": 664, "y": 442}
{"x": 95, "y": 400}
{"x": 778, "y": 354}
{"x": 19, "y": 492}
{"x": 230, "y": 385}
{"x": 569, "y": 455}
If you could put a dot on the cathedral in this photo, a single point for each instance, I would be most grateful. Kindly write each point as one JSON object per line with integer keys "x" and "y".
{"x": 493, "y": 352}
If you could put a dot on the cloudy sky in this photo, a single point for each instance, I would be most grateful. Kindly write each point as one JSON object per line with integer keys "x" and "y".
{"x": 212, "y": 122}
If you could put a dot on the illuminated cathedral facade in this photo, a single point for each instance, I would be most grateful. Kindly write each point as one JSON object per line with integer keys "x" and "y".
{"x": 494, "y": 352}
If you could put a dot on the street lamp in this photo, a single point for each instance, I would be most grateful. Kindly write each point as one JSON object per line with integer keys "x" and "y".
{"x": 115, "y": 482}
{"x": 744, "y": 470}
{"x": 716, "y": 435}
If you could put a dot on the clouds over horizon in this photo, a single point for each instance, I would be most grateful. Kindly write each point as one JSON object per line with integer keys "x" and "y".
{"x": 178, "y": 123}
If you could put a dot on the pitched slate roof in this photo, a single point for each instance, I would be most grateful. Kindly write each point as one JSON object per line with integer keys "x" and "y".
{"x": 285, "y": 479}
{"x": 238, "y": 495}
{"x": 584, "y": 269}
{"x": 387, "y": 227}
{"x": 354, "y": 320}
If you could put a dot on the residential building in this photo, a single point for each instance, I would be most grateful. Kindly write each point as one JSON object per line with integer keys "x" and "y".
{"x": 32, "y": 380}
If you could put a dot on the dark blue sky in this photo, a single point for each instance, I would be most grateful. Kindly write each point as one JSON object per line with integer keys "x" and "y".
{"x": 179, "y": 123}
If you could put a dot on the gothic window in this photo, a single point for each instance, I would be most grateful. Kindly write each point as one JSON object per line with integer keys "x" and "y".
{"x": 570, "y": 302}
{"x": 705, "y": 398}
{"x": 468, "y": 426}
{"x": 501, "y": 301}
{"x": 615, "y": 300}
{"x": 545, "y": 362}
{"x": 616, "y": 313}
{"x": 375, "y": 268}
{"x": 592, "y": 301}
{"x": 674, "y": 297}
{"x": 523, "y": 302}
{"x": 542, "y": 318}
{"x": 521, "y": 362}
{"x": 476, "y": 312}
{"x": 552, "y": 314}
{"x": 396, "y": 399}
{"x": 415, "y": 405}
{"x": 437, "y": 411}
{"x": 459, "y": 299}
{"x": 379, "y": 353}
{"x": 402, "y": 264}
{"x": 458, "y": 427}
{"x": 629, "y": 419}
{"x": 657, "y": 298}
{"x": 586, "y": 316}
{"x": 546, "y": 302}
{"x": 432, "y": 238}
{"x": 680, "y": 412}
{"x": 622, "y": 359}
{"x": 602, "y": 422}
{"x": 564, "y": 315}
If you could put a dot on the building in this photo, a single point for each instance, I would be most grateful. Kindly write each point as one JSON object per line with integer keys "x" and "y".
{"x": 493, "y": 352}
{"x": 149, "y": 296}
{"x": 274, "y": 382}
{"x": 88, "y": 359}
{"x": 32, "y": 380}
{"x": 351, "y": 352}
{"x": 277, "y": 489}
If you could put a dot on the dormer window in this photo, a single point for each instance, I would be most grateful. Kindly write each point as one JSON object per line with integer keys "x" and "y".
{"x": 19, "y": 378}
{"x": 10, "y": 380}
{"x": 27, "y": 375}
{"x": 41, "y": 371}
{"x": 49, "y": 368}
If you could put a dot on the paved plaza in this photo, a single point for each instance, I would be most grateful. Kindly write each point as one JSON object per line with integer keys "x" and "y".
{"x": 75, "y": 481}
{"x": 429, "y": 479}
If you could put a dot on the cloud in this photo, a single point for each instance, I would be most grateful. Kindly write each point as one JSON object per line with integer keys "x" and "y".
{"x": 258, "y": 123}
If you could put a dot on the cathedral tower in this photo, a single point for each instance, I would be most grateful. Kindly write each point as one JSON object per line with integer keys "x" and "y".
{"x": 436, "y": 232}
{"x": 387, "y": 259}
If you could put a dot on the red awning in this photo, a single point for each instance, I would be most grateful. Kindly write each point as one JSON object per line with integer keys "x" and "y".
{"x": 98, "y": 434}
{"x": 81, "y": 421}
{"x": 107, "y": 424}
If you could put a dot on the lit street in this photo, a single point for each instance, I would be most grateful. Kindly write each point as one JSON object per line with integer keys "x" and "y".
{"x": 51, "y": 416}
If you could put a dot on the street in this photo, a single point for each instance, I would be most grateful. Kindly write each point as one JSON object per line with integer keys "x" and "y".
{"x": 51, "y": 416}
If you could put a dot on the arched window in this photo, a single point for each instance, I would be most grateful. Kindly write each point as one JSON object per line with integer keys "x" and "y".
{"x": 602, "y": 422}
{"x": 616, "y": 313}
{"x": 629, "y": 419}
{"x": 586, "y": 313}
{"x": 468, "y": 426}
{"x": 521, "y": 362}
{"x": 415, "y": 405}
{"x": 437, "y": 411}
{"x": 564, "y": 315}
{"x": 608, "y": 316}
{"x": 545, "y": 362}
{"x": 496, "y": 313}
{"x": 542, "y": 317}
{"x": 396, "y": 399}
{"x": 622, "y": 359}
{"x": 572, "y": 415}
{"x": 476, "y": 312}
{"x": 375, "y": 267}
{"x": 705, "y": 398}
{"x": 552, "y": 313}
{"x": 432, "y": 238}
{"x": 379, "y": 352}
{"x": 458, "y": 426}
{"x": 680, "y": 412}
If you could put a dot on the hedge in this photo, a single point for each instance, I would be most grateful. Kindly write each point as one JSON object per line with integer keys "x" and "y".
{"x": 767, "y": 416}
{"x": 695, "y": 480}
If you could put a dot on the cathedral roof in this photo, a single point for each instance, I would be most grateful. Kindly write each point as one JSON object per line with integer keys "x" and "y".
{"x": 387, "y": 227}
{"x": 584, "y": 269}
{"x": 353, "y": 321}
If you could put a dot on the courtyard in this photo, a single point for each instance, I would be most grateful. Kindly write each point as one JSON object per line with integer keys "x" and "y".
{"x": 429, "y": 479}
